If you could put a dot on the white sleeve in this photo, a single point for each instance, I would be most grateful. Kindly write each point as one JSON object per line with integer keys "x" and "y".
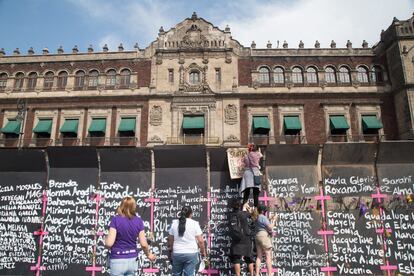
{"x": 171, "y": 231}
{"x": 198, "y": 229}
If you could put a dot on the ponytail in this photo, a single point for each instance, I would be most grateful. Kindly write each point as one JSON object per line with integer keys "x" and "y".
{"x": 185, "y": 213}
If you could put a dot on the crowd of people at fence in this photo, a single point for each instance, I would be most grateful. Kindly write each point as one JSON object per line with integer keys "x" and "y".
{"x": 249, "y": 228}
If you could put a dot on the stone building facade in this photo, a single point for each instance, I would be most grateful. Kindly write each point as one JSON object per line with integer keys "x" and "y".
{"x": 195, "y": 84}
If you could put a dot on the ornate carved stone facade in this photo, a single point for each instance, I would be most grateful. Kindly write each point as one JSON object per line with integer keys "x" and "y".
{"x": 195, "y": 69}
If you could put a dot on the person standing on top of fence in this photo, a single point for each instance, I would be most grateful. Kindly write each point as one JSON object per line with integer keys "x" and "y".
{"x": 124, "y": 229}
{"x": 252, "y": 176}
{"x": 239, "y": 230}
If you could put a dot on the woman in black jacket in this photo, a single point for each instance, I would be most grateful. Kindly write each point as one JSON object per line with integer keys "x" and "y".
{"x": 241, "y": 245}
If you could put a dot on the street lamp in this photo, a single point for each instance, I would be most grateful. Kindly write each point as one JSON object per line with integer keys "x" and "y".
{"x": 21, "y": 117}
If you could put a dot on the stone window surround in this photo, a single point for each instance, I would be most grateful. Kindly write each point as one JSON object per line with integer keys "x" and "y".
{"x": 129, "y": 113}
{"x": 331, "y": 110}
{"x": 67, "y": 114}
{"x": 266, "y": 111}
{"x": 292, "y": 110}
{"x": 99, "y": 113}
{"x": 46, "y": 114}
{"x": 368, "y": 110}
{"x": 9, "y": 115}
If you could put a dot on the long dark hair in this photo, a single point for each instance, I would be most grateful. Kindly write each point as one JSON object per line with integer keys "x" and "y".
{"x": 185, "y": 213}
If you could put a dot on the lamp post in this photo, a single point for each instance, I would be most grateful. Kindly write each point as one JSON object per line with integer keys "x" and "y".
{"x": 21, "y": 117}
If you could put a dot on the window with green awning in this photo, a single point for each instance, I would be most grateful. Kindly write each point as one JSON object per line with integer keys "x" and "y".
{"x": 43, "y": 126}
{"x": 70, "y": 126}
{"x": 127, "y": 125}
{"x": 98, "y": 125}
{"x": 260, "y": 125}
{"x": 338, "y": 122}
{"x": 193, "y": 122}
{"x": 371, "y": 122}
{"x": 292, "y": 123}
{"x": 12, "y": 127}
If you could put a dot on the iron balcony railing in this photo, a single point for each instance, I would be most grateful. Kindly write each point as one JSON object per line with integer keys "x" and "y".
{"x": 193, "y": 140}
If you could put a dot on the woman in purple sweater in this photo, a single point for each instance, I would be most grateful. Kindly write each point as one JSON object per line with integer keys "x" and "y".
{"x": 124, "y": 230}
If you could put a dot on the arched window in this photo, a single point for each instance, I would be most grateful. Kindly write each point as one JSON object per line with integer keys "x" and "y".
{"x": 297, "y": 75}
{"x": 93, "y": 78}
{"x": 194, "y": 77}
{"x": 279, "y": 75}
{"x": 125, "y": 78}
{"x": 377, "y": 74}
{"x": 311, "y": 75}
{"x": 31, "y": 81}
{"x": 48, "y": 80}
{"x": 3, "y": 81}
{"x": 18, "y": 81}
{"x": 62, "y": 79}
{"x": 330, "y": 76}
{"x": 79, "y": 79}
{"x": 111, "y": 78}
{"x": 362, "y": 74}
{"x": 344, "y": 76}
{"x": 264, "y": 75}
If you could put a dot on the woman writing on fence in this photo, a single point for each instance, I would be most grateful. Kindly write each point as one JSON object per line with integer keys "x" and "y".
{"x": 252, "y": 169}
{"x": 125, "y": 229}
{"x": 264, "y": 228}
{"x": 185, "y": 241}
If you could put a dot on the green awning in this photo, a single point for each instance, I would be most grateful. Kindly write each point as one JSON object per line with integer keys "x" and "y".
{"x": 260, "y": 122}
{"x": 292, "y": 123}
{"x": 338, "y": 122}
{"x": 70, "y": 126}
{"x": 127, "y": 124}
{"x": 193, "y": 122}
{"x": 12, "y": 127}
{"x": 371, "y": 122}
{"x": 98, "y": 125}
{"x": 43, "y": 126}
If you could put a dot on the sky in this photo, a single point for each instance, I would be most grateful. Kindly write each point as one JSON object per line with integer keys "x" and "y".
{"x": 54, "y": 23}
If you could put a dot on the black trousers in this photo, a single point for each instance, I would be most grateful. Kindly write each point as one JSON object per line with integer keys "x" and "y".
{"x": 246, "y": 194}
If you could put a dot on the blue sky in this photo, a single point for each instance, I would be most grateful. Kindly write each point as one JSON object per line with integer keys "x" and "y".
{"x": 51, "y": 23}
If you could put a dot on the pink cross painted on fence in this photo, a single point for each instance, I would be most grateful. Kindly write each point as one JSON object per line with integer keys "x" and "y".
{"x": 322, "y": 198}
{"x": 210, "y": 199}
{"x": 378, "y": 195}
{"x": 266, "y": 199}
{"x": 328, "y": 269}
{"x": 388, "y": 268}
{"x": 151, "y": 270}
{"x": 151, "y": 200}
{"x": 265, "y": 270}
{"x": 209, "y": 271}
{"x": 381, "y": 231}
{"x": 97, "y": 198}
{"x": 325, "y": 233}
{"x": 38, "y": 267}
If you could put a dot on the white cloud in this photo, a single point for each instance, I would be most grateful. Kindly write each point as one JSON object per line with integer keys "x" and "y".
{"x": 322, "y": 20}
{"x": 127, "y": 20}
{"x": 258, "y": 20}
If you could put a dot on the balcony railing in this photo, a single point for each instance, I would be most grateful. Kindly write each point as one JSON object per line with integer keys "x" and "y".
{"x": 31, "y": 142}
{"x": 374, "y": 138}
{"x": 192, "y": 140}
{"x": 282, "y": 139}
{"x": 67, "y": 142}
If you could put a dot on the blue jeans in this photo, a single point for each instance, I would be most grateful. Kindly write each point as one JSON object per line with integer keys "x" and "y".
{"x": 123, "y": 267}
{"x": 184, "y": 264}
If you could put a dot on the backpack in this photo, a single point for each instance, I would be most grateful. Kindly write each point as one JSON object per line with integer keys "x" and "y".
{"x": 236, "y": 229}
